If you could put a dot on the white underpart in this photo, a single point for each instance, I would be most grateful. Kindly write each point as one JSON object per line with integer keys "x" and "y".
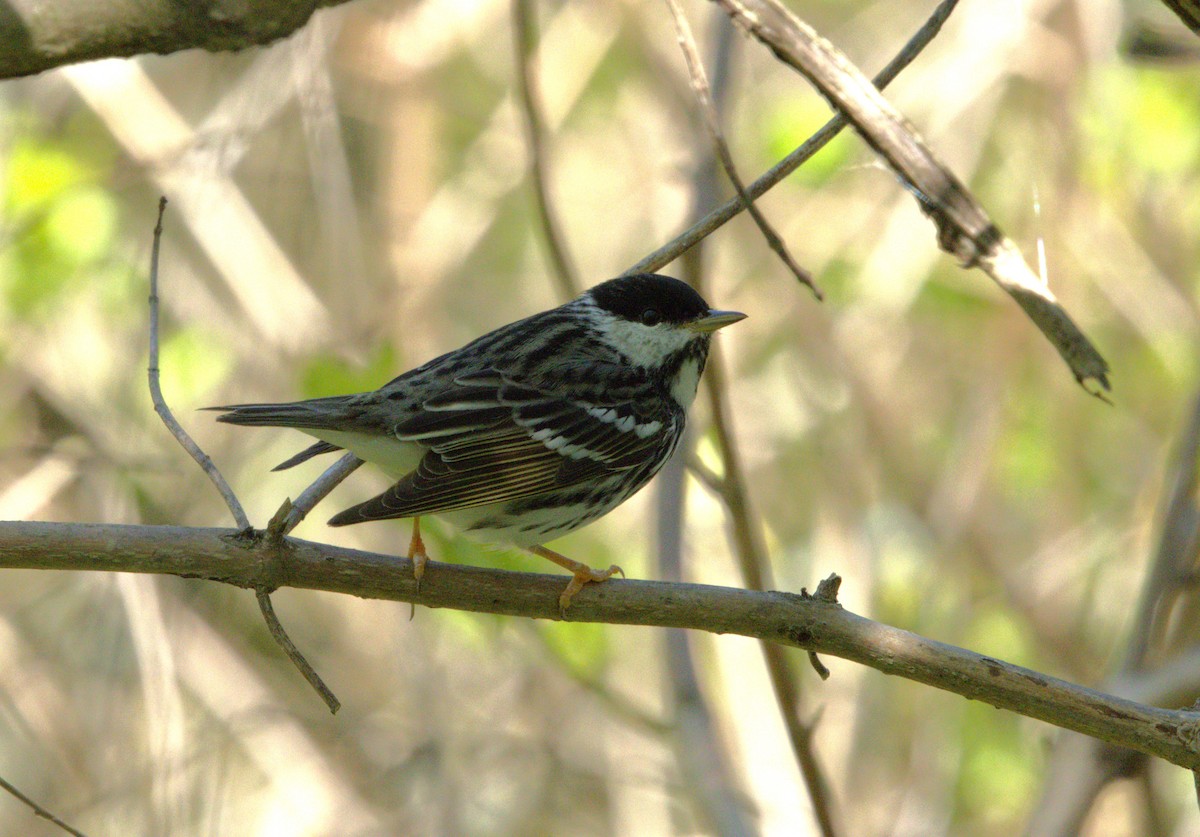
{"x": 683, "y": 389}
{"x": 396, "y": 458}
{"x": 649, "y": 346}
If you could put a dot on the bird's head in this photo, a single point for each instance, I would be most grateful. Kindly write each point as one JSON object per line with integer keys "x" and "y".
{"x": 649, "y": 318}
{"x": 658, "y": 323}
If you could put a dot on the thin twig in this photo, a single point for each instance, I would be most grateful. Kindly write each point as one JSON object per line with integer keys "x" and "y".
{"x": 39, "y": 810}
{"x": 160, "y": 406}
{"x": 293, "y": 511}
{"x": 231, "y": 500}
{"x": 756, "y": 572}
{"x": 1176, "y": 550}
{"x": 720, "y": 216}
{"x": 524, "y": 39}
{"x": 709, "y": 478}
{"x": 285, "y": 642}
{"x": 783, "y": 679}
{"x": 700, "y": 86}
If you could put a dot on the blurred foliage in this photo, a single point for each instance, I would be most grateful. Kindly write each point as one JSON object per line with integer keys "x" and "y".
{"x": 353, "y": 201}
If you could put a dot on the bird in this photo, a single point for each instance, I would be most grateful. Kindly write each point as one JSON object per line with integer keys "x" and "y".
{"x": 530, "y": 431}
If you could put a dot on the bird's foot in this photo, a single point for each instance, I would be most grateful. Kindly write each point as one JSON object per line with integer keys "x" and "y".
{"x": 419, "y": 558}
{"x": 417, "y": 553}
{"x": 581, "y": 575}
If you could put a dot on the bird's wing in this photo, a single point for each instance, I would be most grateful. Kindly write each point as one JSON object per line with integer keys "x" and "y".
{"x": 492, "y": 440}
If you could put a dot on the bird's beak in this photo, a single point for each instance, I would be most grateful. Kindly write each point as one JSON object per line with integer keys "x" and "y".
{"x": 713, "y": 320}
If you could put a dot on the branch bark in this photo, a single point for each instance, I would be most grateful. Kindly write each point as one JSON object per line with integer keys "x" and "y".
{"x": 37, "y": 35}
{"x": 252, "y": 561}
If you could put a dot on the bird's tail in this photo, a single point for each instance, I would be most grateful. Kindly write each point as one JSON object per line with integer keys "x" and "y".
{"x": 314, "y": 414}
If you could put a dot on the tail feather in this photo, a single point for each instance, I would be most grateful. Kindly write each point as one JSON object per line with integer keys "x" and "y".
{"x": 314, "y": 414}
{"x": 306, "y": 454}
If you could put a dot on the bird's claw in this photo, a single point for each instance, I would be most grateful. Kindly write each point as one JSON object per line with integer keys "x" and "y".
{"x": 582, "y": 575}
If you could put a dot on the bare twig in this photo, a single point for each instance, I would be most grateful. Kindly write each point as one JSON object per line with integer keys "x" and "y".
{"x": 228, "y": 556}
{"x": 293, "y": 511}
{"x": 285, "y": 642}
{"x": 524, "y": 38}
{"x": 160, "y": 406}
{"x": 1174, "y": 557}
{"x": 756, "y": 571}
{"x": 1081, "y": 768}
{"x": 700, "y": 86}
{"x": 231, "y": 500}
{"x": 716, "y": 219}
{"x": 964, "y": 229}
{"x": 39, "y": 810}
{"x": 704, "y": 761}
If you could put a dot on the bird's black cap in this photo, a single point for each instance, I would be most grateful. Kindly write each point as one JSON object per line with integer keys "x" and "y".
{"x": 636, "y": 296}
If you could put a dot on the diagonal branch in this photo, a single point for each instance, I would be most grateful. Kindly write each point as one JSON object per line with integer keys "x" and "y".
{"x": 39, "y": 810}
{"x": 801, "y": 621}
{"x": 963, "y": 227}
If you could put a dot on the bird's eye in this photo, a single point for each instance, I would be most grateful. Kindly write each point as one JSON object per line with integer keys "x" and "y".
{"x": 651, "y": 317}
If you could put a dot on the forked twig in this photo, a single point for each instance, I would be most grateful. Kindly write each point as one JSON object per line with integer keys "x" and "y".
{"x": 231, "y": 500}
{"x": 701, "y": 88}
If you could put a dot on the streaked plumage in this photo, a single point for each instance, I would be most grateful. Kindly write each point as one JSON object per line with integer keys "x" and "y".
{"x": 530, "y": 431}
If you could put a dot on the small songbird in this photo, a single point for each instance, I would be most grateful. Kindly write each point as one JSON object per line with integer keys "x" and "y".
{"x": 531, "y": 431}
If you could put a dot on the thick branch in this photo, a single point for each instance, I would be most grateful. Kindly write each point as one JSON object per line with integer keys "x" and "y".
{"x": 37, "y": 35}
{"x": 786, "y": 618}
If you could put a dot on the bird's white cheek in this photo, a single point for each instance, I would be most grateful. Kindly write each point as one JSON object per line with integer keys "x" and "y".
{"x": 683, "y": 390}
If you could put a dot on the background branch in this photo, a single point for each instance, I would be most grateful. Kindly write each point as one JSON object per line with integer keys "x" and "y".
{"x": 963, "y": 227}
{"x": 524, "y": 25}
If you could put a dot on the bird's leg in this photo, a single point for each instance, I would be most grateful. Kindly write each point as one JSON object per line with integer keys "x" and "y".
{"x": 416, "y": 552}
{"x": 582, "y": 574}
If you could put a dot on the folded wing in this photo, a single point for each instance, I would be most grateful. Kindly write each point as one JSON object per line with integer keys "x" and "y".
{"x": 492, "y": 440}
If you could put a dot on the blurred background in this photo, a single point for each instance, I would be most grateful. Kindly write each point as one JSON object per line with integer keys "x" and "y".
{"x": 356, "y": 199}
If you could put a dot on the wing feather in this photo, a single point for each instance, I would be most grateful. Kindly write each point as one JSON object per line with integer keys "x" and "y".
{"x": 491, "y": 441}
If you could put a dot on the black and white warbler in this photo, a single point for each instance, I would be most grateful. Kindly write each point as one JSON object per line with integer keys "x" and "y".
{"x": 530, "y": 431}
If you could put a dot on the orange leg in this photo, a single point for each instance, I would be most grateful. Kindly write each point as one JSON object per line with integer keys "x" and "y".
{"x": 582, "y": 574}
{"x": 416, "y": 552}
